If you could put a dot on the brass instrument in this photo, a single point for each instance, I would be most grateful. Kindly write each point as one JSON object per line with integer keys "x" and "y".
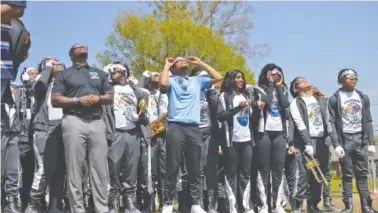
{"x": 158, "y": 125}
{"x": 142, "y": 106}
{"x": 23, "y": 111}
{"x": 312, "y": 164}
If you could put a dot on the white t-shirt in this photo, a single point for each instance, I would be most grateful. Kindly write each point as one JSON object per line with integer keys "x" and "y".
{"x": 314, "y": 115}
{"x": 152, "y": 109}
{"x": 273, "y": 115}
{"x": 54, "y": 113}
{"x": 351, "y": 112}
{"x": 125, "y": 107}
{"x": 241, "y": 132}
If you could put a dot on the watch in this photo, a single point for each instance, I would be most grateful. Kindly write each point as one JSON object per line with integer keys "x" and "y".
{"x": 76, "y": 100}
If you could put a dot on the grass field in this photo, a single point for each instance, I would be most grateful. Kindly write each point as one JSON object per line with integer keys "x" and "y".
{"x": 337, "y": 198}
{"x": 337, "y": 201}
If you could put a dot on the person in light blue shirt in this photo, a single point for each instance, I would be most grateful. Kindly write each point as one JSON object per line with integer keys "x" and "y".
{"x": 183, "y": 137}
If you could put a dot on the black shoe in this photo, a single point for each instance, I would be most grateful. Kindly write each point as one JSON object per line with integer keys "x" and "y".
{"x": 366, "y": 206}
{"x": 312, "y": 207}
{"x": 129, "y": 205}
{"x": 12, "y": 205}
{"x": 348, "y": 203}
{"x": 36, "y": 206}
{"x": 328, "y": 206}
{"x": 55, "y": 205}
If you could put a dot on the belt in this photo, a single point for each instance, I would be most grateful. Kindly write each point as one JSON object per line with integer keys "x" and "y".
{"x": 86, "y": 117}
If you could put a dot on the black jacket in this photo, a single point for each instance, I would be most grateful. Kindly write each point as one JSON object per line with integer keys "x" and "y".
{"x": 302, "y": 138}
{"x": 225, "y": 113}
{"x": 335, "y": 118}
{"x": 266, "y": 95}
{"x": 40, "y": 118}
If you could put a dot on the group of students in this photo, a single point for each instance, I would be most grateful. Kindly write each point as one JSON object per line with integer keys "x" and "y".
{"x": 181, "y": 136}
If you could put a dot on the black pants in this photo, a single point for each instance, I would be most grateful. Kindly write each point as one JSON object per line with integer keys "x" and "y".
{"x": 123, "y": 159}
{"x": 49, "y": 152}
{"x": 27, "y": 170}
{"x": 321, "y": 153}
{"x": 206, "y": 136}
{"x": 238, "y": 159}
{"x": 184, "y": 140}
{"x": 355, "y": 160}
{"x": 158, "y": 162}
{"x": 271, "y": 151}
{"x": 302, "y": 183}
{"x": 214, "y": 164}
{"x": 10, "y": 161}
{"x": 327, "y": 175}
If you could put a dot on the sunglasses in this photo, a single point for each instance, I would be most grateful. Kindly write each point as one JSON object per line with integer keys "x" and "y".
{"x": 351, "y": 77}
{"x": 299, "y": 81}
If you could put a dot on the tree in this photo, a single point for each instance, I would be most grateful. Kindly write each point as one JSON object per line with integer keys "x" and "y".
{"x": 145, "y": 42}
{"x": 228, "y": 18}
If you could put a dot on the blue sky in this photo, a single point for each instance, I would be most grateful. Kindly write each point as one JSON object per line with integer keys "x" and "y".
{"x": 310, "y": 39}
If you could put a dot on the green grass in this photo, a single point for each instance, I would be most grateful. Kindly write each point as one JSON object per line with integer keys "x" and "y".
{"x": 336, "y": 186}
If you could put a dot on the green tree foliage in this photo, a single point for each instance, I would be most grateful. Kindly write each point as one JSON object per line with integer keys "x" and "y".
{"x": 145, "y": 42}
{"x": 231, "y": 19}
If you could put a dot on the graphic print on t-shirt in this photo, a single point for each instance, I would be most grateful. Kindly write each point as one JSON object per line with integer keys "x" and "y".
{"x": 274, "y": 109}
{"x": 315, "y": 116}
{"x": 127, "y": 104}
{"x": 242, "y": 117}
{"x": 352, "y": 111}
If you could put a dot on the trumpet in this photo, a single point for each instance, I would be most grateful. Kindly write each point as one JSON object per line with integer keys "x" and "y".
{"x": 312, "y": 164}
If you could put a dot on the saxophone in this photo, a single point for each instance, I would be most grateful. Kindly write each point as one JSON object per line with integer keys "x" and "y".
{"x": 23, "y": 112}
{"x": 158, "y": 125}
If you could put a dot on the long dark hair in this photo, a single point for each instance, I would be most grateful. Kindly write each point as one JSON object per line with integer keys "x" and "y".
{"x": 229, "y": 81}
{"x": 263, "y": 79}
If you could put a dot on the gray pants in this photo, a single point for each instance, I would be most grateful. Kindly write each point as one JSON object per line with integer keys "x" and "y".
{"x": 123, "y": 159}
{"x": 355, "y": 160}
{"x": 49, "y": 153}
{"x": 86, "y": 140}
{"x": 10, "y": 159}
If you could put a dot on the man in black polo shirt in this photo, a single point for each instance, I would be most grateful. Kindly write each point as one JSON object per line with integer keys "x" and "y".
{"x": 81, "y": 90}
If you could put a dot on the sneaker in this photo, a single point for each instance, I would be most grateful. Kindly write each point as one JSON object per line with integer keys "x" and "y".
{"x": 279, "y": 209}
{"x": 197, "y": 209}
{"x": 167, "y": 209}
{"x": 264, "y": 210}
